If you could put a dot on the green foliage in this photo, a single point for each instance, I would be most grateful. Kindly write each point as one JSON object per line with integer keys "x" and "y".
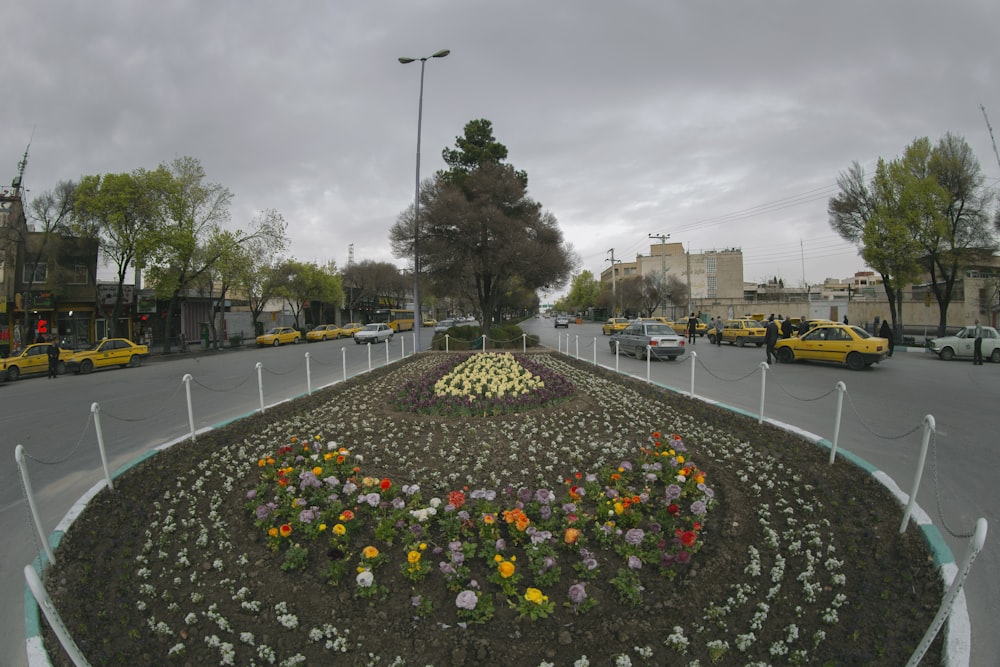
{"x": 584, "y": 291}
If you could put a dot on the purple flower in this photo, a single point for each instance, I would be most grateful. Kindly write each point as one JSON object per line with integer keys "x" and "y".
{"x": 625, "y": 465}
{"x": 634, "y": 563}
{"x": 634, "y": 536}
{"x": 398, "y": 503}
{"x": 683, "y": 557}
{"x": 349, "y": 488}
{"x": 673, "y": 492}
{"x": 543, "y": 496}
{"x": 501, "y": 545}
{"x": 307, "y": 516}
{"x": 446, "y": 569}
{"x": 545, "y": 512}
{"x": 457, "y": 557}
{"x": 611, "y": 493}
{"x": 569, "y": 508}
{"x": 524, "y": 495}
{"x": 466, "y": 600}
{"x": 416, "y": 600}
{"x": 698, "y": 508}
{"x": 251, "y": 494}
{"x": 263, "y": 511}
{"x": 578, "y": 593}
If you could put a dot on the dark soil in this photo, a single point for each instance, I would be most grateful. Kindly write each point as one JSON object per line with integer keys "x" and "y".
{"x": 891, "y": 586}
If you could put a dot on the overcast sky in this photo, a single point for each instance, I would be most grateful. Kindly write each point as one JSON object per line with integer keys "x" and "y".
{"x": 722, "y": 124}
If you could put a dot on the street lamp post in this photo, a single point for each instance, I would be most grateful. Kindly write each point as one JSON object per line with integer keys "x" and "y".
{"x": 418, "y": 318}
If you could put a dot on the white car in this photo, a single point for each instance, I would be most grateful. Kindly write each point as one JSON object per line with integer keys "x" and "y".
{"x": 374, "y": 333}
{"x": 960, "y": 345}
{"x": 562, "y": 321}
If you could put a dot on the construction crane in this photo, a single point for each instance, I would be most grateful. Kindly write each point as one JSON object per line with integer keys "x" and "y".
{"x": 988, "y": 127}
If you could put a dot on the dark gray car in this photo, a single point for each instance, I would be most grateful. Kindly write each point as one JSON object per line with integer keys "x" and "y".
{"x": 653, "y": 338}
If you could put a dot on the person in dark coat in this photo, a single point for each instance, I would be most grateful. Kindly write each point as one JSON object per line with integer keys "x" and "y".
{"x": 771, "y": 336}
{"x": 53, "y": 353}
{"x": 886, "y": 332}
{"x": 803, "y": 325}
{"x": 692, "y": 329}
{"x": 786, "y": 328}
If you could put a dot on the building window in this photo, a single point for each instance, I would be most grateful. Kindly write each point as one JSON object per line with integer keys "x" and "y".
{"x": 35, "y": 273}
{"x": 713, "y": 286}
{"x": 710, "y": 266}
{"x": 79, "y": 275}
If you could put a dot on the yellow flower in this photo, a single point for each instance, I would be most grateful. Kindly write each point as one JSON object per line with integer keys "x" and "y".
{"x": 423, "y": 546}
{"x": 535, "y": 595}
{"x": 369, "y": 552}
{"x": 328, "y": 456}
{"x": 317, "y": 471}
{"x": 413, "y": 557}
{"x": 322, "y": 527}
{"x": 273, "y": 532}
{"x": 619, "y": 508}
{"x": 339, "y": 529}
{"x": 680, "y": 458}
{"x": 506, "y": 569}
{"x": 498, "y": 558}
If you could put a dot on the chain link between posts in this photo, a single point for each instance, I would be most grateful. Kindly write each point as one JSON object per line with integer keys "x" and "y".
{"x": 164, "y": 407}
{"x": 937, "y": 493}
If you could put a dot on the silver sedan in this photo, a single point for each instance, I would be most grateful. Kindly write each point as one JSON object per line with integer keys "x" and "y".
{"x": 657, "y": 340}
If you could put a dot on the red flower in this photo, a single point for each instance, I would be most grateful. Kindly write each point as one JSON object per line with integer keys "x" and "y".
{"x": 385, "y": 484}
{"x": 456, "y": 499}
{"x": 688, "y": 538}
{"x": 285, "y": 530}
{"x": 673, "y": 508}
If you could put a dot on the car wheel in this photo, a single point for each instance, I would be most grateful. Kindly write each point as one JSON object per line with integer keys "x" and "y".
{"x": 135, "y": 361}
{"x": 61, "y": 368}
{"x": 855, "y": 361}
{"x": 785, "y": 355}
{"x": 741, "y": 341}
{"x": 995, "y": 356}
{"x": 295, "y": 341}
{"x": 86, "y": 366}
{"x": 13, "y": 373}
{"x": 947, "y": 354}
{"x": 640, "y": 353}
{"x": 711, "y": 339}
{"x": 276, "y": 343}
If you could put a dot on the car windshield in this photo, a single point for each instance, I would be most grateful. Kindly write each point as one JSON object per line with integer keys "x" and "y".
{"x": 658, "y": 329}
{"x": 860, "y": 333}
{"x": 321, "y": 327}
{"x": 370, "y": 327}
{"x": 274, "y": 331}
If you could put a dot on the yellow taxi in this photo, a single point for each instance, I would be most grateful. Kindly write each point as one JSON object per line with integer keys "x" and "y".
{"x": 107, "y": 352}
{"x": 430, "y": 322}
{"x": 681, "y": 326}
{"x": 323, "y": 332}
{"x": 279, "y": 336}
{"x": 614, "y": 325}
{"x": 351, "y": 328}
{"x": 32, "y": 359}
{"x": 836, "y": 343}
{"x": 739, "y": 332}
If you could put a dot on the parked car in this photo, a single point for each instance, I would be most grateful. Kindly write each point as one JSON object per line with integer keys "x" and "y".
{"x": 323, "y": 332}
{"x": 562, "y": 321}
{"x": 443, "y": 325}
{"x": 680, "y": 327}
{"x": 739, "y": 332}
{"x": 374, "y": 333}
{"x": 614, "y": 325}
{"x": 960, "y": 345}
{"x": 32, "y": 359}
{"x": 105, "y": 353}
{"x": 836, "y": 343}
{"x": 656, "y": 339}
{"x": 348, "y": 330}
{"x": 430, "y": 322}
{"x": 279, "y": 336}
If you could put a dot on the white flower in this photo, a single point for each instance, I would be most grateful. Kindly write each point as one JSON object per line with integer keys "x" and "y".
{"x": 365, "y": 578}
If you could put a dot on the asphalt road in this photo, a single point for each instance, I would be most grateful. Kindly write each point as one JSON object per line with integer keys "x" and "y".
{"x": 142, "y": 408}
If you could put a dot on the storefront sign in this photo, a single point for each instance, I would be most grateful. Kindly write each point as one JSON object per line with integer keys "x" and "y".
{"x": 42, "y": 300}
{"x": 108, "y": 292}
{"x": 146, "y": 303}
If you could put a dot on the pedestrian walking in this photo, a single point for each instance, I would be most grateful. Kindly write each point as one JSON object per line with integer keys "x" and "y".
{"x": 720, "y": 324}
{"x": 977, "y": 344}
{"x": 771, "y": 335}
{"x": 692, "y": 329}
{"x": 886, "y": 332}
{"x": 53, "y": 353}
{"x": 845, "y": 319}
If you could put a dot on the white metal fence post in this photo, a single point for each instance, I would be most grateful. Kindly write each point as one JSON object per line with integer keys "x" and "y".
{"x": 694, "y": 358}
{"x": 524, "y": 342}
{"x": 763, "y": 385}
{"x": 595, "y": 350}
{"x": 190, "y": 405}
{"x": 343, "y": 361}
{"x": 55, "y": 622}
{"x": 96, "y": 410}
{"x": 309, "y": 385}
{"x": 925, "y": 441}
{"x": 260, "y": 385}
{"x": 36, "y": 517}
{"x": 841, "y": 388}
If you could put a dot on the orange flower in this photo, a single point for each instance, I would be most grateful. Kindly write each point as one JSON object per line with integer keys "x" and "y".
{"x": 317, "y": 471}
{"x": 272, "y": 531}
{"x": 385, "y": 484}
{"x": 456, "y": 499}
{"x": 506, "y": 569}
{"x": 489, "y": 519}
{"x": 369, "y": 552}
{"x": 656, "y": 434}
{"x": 346, "y": 515}
{"x": 571, "y": 535}
{"x": 285, "y": 530}
{"x": 340, "y": 458}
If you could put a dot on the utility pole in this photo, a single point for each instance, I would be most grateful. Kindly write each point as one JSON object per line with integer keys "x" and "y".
{"x": 663, "y": 275}
{"x": 614, "y": 295}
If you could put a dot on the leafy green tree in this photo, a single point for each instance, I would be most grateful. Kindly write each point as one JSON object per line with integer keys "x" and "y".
{"x": 584, "y": 291}
{"x": 122, "y": 211}
{"x": 369, "y": 283}
{"x": 302, "y": 282}
{"x": 479, "y": 227}
{"x": 251, "y": 266}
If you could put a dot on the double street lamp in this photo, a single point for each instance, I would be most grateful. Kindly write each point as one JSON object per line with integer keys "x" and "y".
{"x": 418, "y": 317}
